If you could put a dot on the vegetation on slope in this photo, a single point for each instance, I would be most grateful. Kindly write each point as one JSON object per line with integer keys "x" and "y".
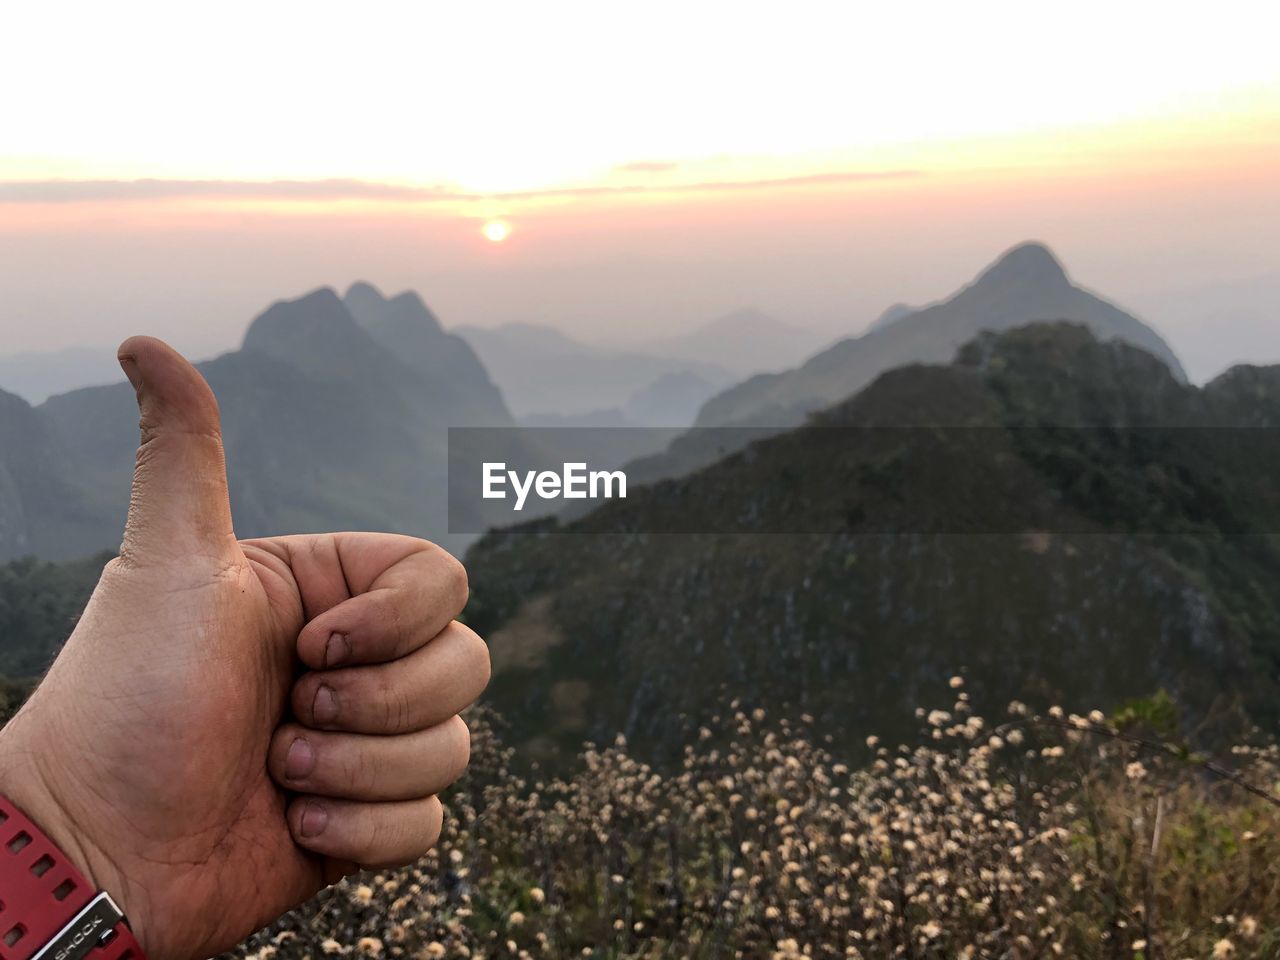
{"x": 1032, "y": 836}
{"x": 39, "y": 605}
{"x": 1099, "y": 564}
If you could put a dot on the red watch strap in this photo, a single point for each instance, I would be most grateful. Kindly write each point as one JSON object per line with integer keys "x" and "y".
{"x": 47, "y": 907}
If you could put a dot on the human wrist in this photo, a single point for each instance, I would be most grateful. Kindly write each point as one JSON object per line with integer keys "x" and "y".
{"x": 48, "y": 805}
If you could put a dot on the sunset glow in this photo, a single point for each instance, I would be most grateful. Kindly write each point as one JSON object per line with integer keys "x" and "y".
{"x": 496, "y": 231}
{"x": 831, "y": 145}
{"x": 828, "y": 87}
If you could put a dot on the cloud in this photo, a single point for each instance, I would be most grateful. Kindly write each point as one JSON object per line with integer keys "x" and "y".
{"x": 710, "y": 186}
{"x": 92, "y": 191}
{"x": 88, "y": 191}
{"x": 647, "y": 166}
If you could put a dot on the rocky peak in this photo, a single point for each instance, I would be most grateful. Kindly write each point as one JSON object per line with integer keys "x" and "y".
{"x": 315, "y": 331}
{"x": 1028, "y": 265}
{"x": 404, "y": 313}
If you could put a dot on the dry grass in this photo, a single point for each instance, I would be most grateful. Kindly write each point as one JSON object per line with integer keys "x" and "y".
{"x": 1040, "y": 837}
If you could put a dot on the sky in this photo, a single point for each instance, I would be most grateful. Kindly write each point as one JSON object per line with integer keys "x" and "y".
{"x": 623, "y": 171}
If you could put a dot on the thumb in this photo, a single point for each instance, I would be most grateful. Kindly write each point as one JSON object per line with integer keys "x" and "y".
{"x": 179, "y": 506}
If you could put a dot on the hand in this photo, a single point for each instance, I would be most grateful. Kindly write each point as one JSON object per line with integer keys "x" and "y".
{"x": 177, "y": 753}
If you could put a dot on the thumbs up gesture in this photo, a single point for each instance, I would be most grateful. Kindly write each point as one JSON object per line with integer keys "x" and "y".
{"x": 233, "y": 725}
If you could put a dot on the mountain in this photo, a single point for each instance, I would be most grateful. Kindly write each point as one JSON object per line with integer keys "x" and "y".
{"x": 533, "y": 337}
{"x": 1056, "y": 566}
{"x": 36, "y": 376}
{"x": 1025, "y": 285}
{"x": 892, "y": 315}
{"x": 672, "y": 400}
{"x": 604, "y": 419}
{"x": 669, "y": 402}
{"x": 1060, "y": 565}
{"x": 1220, "y": 323}
{"x": 315, "y": 334}
{"x": 327, "y": 425}
{"x": 404, "y": 326}
{"x": 541, "y": 371}
{"x": 745, "y": 341}
{"x": 44, "y": 507}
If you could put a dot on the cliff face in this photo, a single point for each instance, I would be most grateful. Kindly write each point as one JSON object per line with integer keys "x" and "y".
{"x": 455, "y": 382}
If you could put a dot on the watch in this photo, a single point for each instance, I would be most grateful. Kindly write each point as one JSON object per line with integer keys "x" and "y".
{"x": 48, "y": 910}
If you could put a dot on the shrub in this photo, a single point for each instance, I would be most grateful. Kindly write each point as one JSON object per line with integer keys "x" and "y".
{"x": 1045, "y": 835}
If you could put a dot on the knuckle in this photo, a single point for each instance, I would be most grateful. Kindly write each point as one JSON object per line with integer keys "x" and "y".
{"x": 478, "y": 657}
{"x": 394, "y": 711}
{"x": 463, "y": 741}
{"x": 381, "y": 601}
{"x": 364, "y": 771}
{"x": 457, "y": 748}
{"x": 471, "y": 651}
{"x": 394, "y": 841}
{"x": 374, "y": 833}
{"x": 455, "y": 578}
{"x": 397, "y": 627}
{"x": 405, "y": 714}
{"x": 382, "y": 624}
{"x": 433, "y": 824}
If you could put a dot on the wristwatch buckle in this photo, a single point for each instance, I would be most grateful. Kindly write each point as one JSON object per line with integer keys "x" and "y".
{"x": 93, "y": 926}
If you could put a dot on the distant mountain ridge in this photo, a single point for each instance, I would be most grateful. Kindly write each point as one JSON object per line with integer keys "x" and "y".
{"x": 37, "y": 375}
{"x": 548, "y": 375}
{"x": 1025, "y": 285}
{"x": 328, "y": 391}
{"x": 892, "y": 315}
{"x": 744, "y": 341}
{"x": 543, "y": 372}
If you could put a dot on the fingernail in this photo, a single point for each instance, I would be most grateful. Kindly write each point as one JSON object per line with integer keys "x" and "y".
{"x": 324, "y": 708}
{"x": 336, "y": 649}
{"x": 300, "y": 759}
{"x": 314, "y": 819}
{"x": 130, "y": 368}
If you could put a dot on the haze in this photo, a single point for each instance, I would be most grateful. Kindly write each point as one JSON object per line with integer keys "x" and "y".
{"x": 656, "y": 169}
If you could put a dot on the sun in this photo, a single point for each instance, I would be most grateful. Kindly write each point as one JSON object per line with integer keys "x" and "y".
{"x": 496, "y": 230}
